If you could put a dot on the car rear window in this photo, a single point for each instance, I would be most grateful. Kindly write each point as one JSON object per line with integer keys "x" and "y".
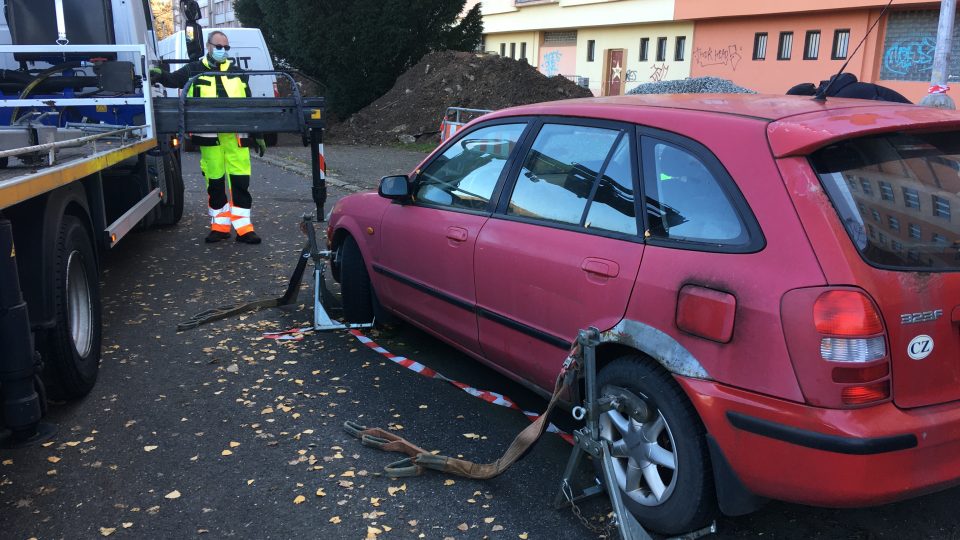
{"x": 898, "y": 196}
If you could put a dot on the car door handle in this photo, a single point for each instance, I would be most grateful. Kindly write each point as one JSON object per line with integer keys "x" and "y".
{"x": 457, "y": 234}
{"x": 600, "y": 267}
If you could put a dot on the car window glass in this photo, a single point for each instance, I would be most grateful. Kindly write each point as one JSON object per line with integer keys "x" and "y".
{"x": 612, "y": 207}
{"x": 685, "y": 201}
{"x": 559, "y": 171}
{"x": 465, "y": 175}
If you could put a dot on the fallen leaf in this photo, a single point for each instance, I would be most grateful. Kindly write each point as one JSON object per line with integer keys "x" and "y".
{"x": 71, "y": 444}
{"x": 393, "y": 490}
{"x": 8, "y": 462}
{"x": 372, "y": 532}
{"x": 107, "y": 531}
{"x": 234, "y": 444}
{"x": 348, "y": 474}
{"x": 172, "y": 495}
{"x": 488, "y": 519}
{"x": 497, "y": 528}
{"x": 522, "y": 536}
{"x": 127, "y": 525}
{"x": 448, "y": 482}
{"x": 299, "y": 499}
{"x": 249, "y": 481}
{"x": 463, "y": 527}
{"x": 321, "y": 492}
{"x": 345, "y": 483}
{"x": 412, "y": 523}
{"x": 226, "y": 453}
{"x": 375, "y": 501}
{"x": 471, "y": 435}
{"x": 150, "y": 448}
{"x": 53, "y": 459}
{"x": 335, "y": 520}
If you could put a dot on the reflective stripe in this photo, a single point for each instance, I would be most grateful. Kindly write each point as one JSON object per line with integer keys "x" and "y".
{"x": 241, "y": 212}
{"x": 241, "y": 222}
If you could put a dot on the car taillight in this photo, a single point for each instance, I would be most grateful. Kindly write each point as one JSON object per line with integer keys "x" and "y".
{"x": 838, "y": 346}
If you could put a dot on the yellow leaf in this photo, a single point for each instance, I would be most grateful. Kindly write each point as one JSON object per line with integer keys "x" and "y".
{"x": 463, "y": 527}
{"x": 172, "y": 495}
{"x": 267, "y": 410}
{"x": 226, "y": 453}
{"x": 71, "y": 444}
{"x": 150, "y": 448}
{"x": 387, "y": 528}
{"x": 412, "y": 523}
{"x": 375, "y": 501}
{"x": 321, "y": 492}
{"x": 107, "y": 531}
{"x": 488, "y": 520}
{"x": 448, "y": 482}
{"x": 522, "y": 536}
{"x": 497, "y": 528}
{"x": 345, "y": 483}
{"x": 335, "y": 520}
{"x": 372, "y": 532}
{"x": 8, "y": 462}
{"x": 88, "y": 440}
{"x": 393, "y": 490}
{"x": 348, "y": 474}
{"x": 299, "y": 499}
{"x": 127, "y": 525}
{"x": 234, "y": 444}
{"x": 471, "y": 435}
{"x": 249, "y": 481}
{"x": 53, "y": 459}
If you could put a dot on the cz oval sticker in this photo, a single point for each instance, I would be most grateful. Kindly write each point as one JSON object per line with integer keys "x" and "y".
{"x": 920, "y": 347}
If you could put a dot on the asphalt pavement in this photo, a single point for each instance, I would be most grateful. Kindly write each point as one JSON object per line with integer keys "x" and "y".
{"x": 221, "y": 432}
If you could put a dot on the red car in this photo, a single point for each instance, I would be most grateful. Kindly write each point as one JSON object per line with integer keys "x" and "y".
{"x": 777, "y": 276}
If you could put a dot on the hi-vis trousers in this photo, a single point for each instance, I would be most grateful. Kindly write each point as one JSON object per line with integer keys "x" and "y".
{"x": 221, "y": 164}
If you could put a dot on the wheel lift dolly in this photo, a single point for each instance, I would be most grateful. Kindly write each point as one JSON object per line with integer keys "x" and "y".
{"x": 587, "y": 440}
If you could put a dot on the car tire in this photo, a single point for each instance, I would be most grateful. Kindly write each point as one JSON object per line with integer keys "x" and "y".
{"x": 172, "y": 211}
{"x": 71, "y": 350}
{"x": 355, "y": 287}
{"x": 687, "y": 500}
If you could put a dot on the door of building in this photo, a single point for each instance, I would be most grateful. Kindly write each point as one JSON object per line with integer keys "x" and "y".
{"x": 614, "y": 72}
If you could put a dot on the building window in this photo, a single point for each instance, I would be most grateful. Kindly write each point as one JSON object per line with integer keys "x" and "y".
{"x": 523, "y": 50}
{"x": 938, "y": 239}
{"x": 941, "y": 207}
{"x": 560, "y": 39}
{"x": 644, "y": 49}
{"x": 911, "y": 198}
{"x": 591, "y": 49}
{"x": 811, "y": 45}
{"x": 785, "y": 48}
{"x": 661, "y": 49}
{"x": 681, "y": 44}
{"x": 760, "y": 46}
{"x": 875, "y": 214}
{"x": 897, "y": 246}
{"x": 886, "y": 191}
{"x": 503, "y": 49}
{"x": 513, "y": 50}
{"x": 894, "y": 223}
{"x": 914, "y": 231}
{"x": 841, "y": 44}
{"x": 867, "y": 187}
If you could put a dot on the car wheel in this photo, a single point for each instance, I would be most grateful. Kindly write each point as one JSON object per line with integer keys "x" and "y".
{"x": 355, "y": 285}
{"x": 71, "y": 350}
{"x": 662, "y": 465}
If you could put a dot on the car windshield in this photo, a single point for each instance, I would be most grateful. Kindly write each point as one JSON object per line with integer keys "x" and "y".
{"x": 896, "y": 194}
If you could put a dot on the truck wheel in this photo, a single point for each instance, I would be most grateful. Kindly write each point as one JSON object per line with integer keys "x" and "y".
{"x": 355, "y": 285}
{"x": 71, "y": 350}
{"x": 662, "y": 465}
{"x": 171, "y": 212}
{"x": 270, "y": 139}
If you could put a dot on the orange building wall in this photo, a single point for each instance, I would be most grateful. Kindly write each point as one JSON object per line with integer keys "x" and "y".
{"x": 708, "y": 9}
{"x": 724, "y": 48}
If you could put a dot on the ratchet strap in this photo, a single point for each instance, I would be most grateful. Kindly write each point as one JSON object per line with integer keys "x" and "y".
{"x": 419, "y": 459}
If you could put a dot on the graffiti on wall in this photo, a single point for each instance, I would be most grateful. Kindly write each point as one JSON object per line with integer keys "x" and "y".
{"x": 728, "y": 56}
{"x": 551, "y": 63}
{"x": 904, "y": 57}
{"x": 659, "y": 73}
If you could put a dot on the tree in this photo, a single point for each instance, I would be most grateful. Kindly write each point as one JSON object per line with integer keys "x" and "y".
{"x": 358, "y": 48}
{"x": 162, "y": 17}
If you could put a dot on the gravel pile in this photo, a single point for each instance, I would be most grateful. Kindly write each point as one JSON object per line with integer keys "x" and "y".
{"x": 694, "y": 85}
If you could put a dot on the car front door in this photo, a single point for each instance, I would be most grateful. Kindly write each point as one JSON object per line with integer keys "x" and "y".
{"x": 562, "y": 252}
{"x": 427, "y": 245}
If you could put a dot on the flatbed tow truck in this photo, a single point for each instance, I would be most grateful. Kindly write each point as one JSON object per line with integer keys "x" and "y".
{"x": 87, "y": 155}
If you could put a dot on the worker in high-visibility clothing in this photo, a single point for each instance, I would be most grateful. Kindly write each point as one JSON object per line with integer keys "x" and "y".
{"x": 224, "y": 157}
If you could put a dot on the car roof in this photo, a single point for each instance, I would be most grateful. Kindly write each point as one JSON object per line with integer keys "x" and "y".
{"x": 795, "y": 124}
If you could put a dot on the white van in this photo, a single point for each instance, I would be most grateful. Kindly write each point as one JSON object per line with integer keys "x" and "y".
{"x": 247, "y": 49}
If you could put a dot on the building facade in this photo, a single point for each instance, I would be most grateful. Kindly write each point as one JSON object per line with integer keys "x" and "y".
{"x": 613, "y": 45}
{"x": 215, "y": 14}
{"x": 609, "y": 46}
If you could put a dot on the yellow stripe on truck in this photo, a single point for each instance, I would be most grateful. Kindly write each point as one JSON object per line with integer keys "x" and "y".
{"x": 21, "y": 188}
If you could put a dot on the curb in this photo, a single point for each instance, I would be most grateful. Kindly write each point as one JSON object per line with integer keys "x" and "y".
{"x": 298, "y": 168}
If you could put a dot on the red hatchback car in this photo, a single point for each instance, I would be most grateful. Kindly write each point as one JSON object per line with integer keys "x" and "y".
{"x": 777, "y": 276}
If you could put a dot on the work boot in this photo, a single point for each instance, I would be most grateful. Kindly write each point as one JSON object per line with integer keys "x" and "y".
{"x": 216, "y": 236}
{"x": 249, "y": 238}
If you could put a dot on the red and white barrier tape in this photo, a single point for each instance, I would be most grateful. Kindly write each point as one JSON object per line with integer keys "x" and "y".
{"x": 938, "y": 89}
{"x": 486, "y": 395}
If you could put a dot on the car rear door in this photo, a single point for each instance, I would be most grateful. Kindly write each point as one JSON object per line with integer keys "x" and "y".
{"x": 426, "y": 262}
{"x": 562, "y": 251}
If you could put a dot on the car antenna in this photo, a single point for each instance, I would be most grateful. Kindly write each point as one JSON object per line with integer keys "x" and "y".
{"x": 821, "y": 95}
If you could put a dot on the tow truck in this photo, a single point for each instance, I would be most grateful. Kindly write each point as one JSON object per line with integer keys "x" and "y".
{"x": 90, "y": 152}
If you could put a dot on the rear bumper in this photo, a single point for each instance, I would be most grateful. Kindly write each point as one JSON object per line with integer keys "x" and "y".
{"x": 825, "y": 457}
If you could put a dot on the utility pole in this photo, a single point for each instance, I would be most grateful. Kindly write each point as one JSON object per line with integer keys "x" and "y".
{"x": 937, "y": 95}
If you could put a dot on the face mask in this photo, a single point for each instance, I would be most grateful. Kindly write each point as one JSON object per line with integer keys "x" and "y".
{"x": 218, "y": 55}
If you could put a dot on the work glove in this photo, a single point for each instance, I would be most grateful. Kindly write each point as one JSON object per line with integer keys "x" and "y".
{"x": 261, "y": 147}
{"x": 155, "y": 72}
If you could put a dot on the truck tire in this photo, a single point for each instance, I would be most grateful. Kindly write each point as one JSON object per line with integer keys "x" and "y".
{"x": 270, "y": 139}
{"x": 172, "y": 211}
{"x": 662, "y": 465}
{"x": 71, "y": 350}
{"x": 355, "y": 286}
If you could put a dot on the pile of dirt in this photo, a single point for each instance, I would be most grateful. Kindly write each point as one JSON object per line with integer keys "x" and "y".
{"x": 413, "y": 108}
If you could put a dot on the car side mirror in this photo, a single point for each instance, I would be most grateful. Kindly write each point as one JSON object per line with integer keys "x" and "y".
{"x": 394, "y": 187}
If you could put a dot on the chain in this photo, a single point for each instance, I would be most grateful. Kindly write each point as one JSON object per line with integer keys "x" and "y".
{"x": 605, "y": 530}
